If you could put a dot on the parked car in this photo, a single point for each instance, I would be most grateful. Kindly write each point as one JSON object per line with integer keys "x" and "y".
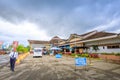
{"x": 37, "y": 52}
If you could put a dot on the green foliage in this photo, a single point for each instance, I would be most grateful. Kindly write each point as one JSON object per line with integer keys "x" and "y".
{"x": 22, "y": 49}
{"x": 118, "y": 54}
{"x": 95, "y": 47}
{"x": 28, "y": 47}
{"x": 73, "y": 54}
{"x": 85, "y": 55}
{"x": 80, "y": 55}
{"x": 108, "y": 53}
{"x": 25, "y": 50}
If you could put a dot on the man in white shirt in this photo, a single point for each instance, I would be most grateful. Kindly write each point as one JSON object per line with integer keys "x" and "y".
{"x": 13, "y": 56}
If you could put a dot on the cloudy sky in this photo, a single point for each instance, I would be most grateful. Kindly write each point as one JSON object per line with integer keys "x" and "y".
{"x": 43, "y": 19}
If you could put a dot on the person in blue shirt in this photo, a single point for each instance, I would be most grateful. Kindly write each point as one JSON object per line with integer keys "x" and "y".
{"x": 13, "y": 57}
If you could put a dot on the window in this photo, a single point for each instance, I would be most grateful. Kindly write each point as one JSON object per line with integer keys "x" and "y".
{"x": 113, "y": 46}
{"x": 37, "y": 50}
{"x": 103, "y": 47}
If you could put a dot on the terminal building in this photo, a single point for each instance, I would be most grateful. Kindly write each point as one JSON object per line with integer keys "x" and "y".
{"x": 105, "y": 42}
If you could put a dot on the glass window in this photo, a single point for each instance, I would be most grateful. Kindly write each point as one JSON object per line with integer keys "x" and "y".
{"x": 113, "y": 46}
{"x": 103, "y": 47}
{"x": 37, "y": 50}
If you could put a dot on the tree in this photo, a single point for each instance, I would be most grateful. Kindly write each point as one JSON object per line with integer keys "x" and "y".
{"x": 10, "y": 47}
{"x": 28, "y": 47}
{"x": 20, "y": 48}
{"x": 25, "y": 49}
{"x": 95, "y": 48}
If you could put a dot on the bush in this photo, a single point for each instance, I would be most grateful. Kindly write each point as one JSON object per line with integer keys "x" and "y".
{"x": 25, "y": 50}
{"x": 95, "y": 48}
{"x": 28, "y": 47}
{"x": 73, "y": 54}
{"x": 85, "y": 55}
{"x": 22, "y": 49}
{"x": 109, "y": 53}
{"x": 80, "y": 55}
{"x": 118, "y": 54}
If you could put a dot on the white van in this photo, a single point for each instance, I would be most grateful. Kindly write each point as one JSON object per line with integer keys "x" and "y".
{"x": 37, "y": 52}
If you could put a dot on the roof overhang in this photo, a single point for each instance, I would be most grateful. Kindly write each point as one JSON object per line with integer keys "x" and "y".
{"x": 102, "y": 38}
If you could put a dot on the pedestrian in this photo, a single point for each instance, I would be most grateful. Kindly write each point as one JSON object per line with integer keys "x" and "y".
{"x": 44, "y": 52}
{"x": 13, "y": 57}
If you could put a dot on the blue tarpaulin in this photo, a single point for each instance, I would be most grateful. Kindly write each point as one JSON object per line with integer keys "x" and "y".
{"x": 58, "y": 56}
{"x": 80, "y": 61}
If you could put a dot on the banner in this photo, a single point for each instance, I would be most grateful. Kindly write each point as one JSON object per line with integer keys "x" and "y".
{"x": 1, "y": 42}
{"x": 5, "y": 45}
{"x": 15, "y": 44}
{"x": 80, "y": 61}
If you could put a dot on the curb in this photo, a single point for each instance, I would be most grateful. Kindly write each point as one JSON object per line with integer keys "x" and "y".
{"x": 21, "y": 57}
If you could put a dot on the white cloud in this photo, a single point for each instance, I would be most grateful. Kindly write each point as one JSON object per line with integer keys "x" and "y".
{"x": 108, "y": 25}
{"x": 117, "y": 31}
{"x": 21, "y": 32}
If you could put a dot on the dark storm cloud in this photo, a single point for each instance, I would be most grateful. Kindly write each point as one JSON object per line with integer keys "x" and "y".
{"x": 9, "y": 13}
{"x": 63, "y": 17}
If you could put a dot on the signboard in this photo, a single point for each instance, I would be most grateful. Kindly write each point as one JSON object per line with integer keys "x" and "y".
{"x": 5, "y": 45}
{"x": 15, "y": 44}
{"x": 58, "y": 56}
{"x": 80, "y": 61}
{"x": 1, "y": 42}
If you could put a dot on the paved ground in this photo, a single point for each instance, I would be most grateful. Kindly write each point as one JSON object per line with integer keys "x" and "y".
{"x": 50, "y": 68}
{"x": 4, "y": 59}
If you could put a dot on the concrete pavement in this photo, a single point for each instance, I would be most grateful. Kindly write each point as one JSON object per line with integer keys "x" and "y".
{"x": 4, "y": 59}
{"x": 50, "y": 68}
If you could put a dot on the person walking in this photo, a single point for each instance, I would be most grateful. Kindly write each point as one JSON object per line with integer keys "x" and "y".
{"x": 13, "y": 57}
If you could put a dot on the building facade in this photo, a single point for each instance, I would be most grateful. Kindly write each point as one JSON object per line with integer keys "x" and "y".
{"x": 38, "y": 44}
{"x": 44, "y": 44}
{"x": 105, "y": 41}
{"x": 108, "y": 43}
{"x": 74, "y": 42}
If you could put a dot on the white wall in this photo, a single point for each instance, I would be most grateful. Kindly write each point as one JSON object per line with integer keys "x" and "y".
{"x": 105, "y": 50}
{"x": 37, "y": 45}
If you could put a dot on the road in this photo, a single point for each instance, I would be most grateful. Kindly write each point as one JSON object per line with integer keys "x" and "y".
{"x": 4, "y": 59}
{"x": 50, "y": 68}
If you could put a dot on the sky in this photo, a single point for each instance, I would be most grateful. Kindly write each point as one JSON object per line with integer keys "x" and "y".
{"x": 22, "y": 20}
